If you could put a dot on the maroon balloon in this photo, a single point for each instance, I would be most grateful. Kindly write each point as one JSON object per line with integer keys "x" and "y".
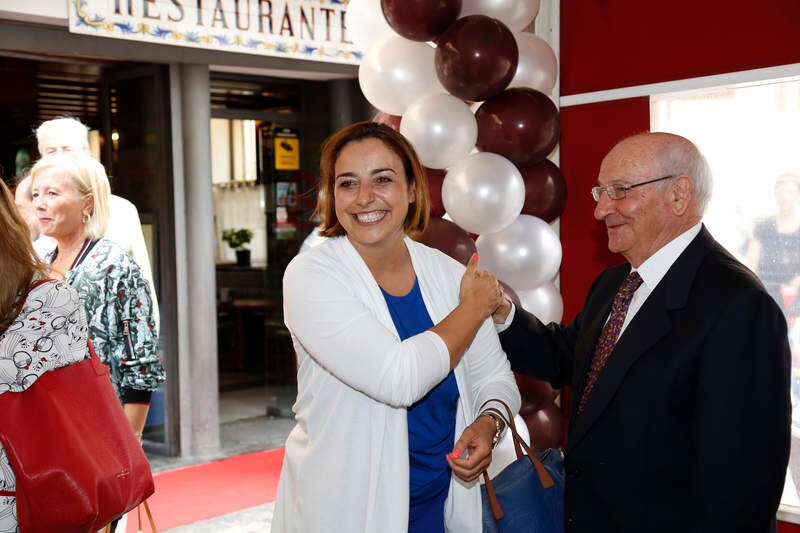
{"x": 540, "y": 413}
{"x": 393, "y": 121}
{"x": 420, "y": 20}
{"x": 449, "y": 238}
{"x": 435, "y": 178}
{"x": 545, "y": 190}
{"x": 520, "y": 124}
{"x": 512, "y": 295}
{"x": 546, "y": 427}
{"x": 476, "y": 57}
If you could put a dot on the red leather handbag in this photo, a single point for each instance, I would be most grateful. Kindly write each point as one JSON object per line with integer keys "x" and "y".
{"x": 77, "y": 462}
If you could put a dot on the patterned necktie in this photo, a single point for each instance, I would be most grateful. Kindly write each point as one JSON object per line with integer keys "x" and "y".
{"x": 608, "y": 338}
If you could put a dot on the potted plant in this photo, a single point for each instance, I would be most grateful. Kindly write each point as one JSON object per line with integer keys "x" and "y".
{"x": 236, "y": 239}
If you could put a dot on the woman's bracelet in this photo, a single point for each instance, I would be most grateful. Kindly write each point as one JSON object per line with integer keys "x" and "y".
{"x": 497, "y": 426}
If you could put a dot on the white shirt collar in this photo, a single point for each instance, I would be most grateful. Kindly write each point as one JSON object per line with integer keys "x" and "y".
{"x": 657, "y": 265}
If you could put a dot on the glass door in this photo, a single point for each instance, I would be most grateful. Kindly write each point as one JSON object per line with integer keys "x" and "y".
{"x": 136, "y": 151}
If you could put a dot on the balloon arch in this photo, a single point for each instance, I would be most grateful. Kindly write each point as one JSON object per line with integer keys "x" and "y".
{"x": 469, "y": 88}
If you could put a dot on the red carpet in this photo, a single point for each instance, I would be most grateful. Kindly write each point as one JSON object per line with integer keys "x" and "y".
{"x": 198, "y": 492}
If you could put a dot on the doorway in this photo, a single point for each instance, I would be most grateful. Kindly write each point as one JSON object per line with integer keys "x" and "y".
{"x": 266, "y": 134}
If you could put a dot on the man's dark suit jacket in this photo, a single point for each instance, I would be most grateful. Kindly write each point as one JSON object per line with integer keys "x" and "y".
{"x": 688, "y": 427}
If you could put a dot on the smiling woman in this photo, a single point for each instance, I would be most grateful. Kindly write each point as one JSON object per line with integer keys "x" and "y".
{"x": 70, "y": 195}
{"x": 371, "y": 196}
{"x": 394, "y": 155}
{"x": 64, "y": 211}
{"x": 394, "y": 352}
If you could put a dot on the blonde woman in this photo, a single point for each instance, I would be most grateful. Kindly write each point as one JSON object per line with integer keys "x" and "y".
{"x": 70, "y": 194}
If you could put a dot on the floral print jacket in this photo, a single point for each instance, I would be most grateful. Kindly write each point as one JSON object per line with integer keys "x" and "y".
{"x": 119, "y": 311}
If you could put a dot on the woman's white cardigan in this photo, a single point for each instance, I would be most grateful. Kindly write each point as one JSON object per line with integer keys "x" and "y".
{"x": 346, "y": 463}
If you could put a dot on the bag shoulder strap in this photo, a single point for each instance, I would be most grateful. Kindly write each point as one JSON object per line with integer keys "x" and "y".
{"x": 508, "y": 418}
{"x": 149, "y": 516}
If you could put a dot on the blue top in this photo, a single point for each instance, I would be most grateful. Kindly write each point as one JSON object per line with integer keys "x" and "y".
{"x": 431, "y": 424}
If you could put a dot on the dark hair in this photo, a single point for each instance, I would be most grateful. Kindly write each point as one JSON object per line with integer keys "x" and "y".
{"x": 18, "y": 261}
{"x": 418, "y": 212}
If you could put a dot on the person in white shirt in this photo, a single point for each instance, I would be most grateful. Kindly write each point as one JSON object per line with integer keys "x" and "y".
{"x": 67, "y": 134}
{"x": 678, "y": 362}
{"x": 397, "y": 357}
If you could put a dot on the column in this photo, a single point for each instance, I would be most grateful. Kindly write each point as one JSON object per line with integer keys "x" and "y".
{"x": 199, "y": 398}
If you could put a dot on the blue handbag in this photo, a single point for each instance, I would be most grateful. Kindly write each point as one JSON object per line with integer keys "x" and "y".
{"x": 527, "y": 495}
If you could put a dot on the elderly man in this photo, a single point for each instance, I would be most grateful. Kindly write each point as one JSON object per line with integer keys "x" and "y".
{"x": 678, "y": 362}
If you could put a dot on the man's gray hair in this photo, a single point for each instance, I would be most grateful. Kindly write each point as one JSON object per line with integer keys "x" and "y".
{"x": 63, "y": 128}
{"x": 683, "y": 157}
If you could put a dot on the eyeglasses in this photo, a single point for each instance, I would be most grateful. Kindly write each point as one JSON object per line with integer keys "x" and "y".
{"x": 618, "y": 192}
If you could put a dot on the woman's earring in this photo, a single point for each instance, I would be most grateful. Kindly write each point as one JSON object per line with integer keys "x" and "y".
{"x": 87, "y": 217}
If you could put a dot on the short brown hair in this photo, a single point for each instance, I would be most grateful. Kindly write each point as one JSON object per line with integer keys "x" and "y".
{"x": 418, "y": 212}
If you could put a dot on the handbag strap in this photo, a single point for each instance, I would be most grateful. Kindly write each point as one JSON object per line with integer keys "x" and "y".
{"x": 149, "y": 516}
{"x": 153, "y": 528}
{"x": 509, "y": 421}
{"x": 544, "y": 476}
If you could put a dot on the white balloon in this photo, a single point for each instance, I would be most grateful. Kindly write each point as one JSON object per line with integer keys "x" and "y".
{"x": 441, "y": 128}
{"x": 538, "y": 66}
{"x": 396, "y": 72}
{"x": 525, "y": 255}
{"x": 483, "y": 193}
{"x": 516, "y": 14}
{"x": 544, "y": 302}
{"x": 366, "y": 25}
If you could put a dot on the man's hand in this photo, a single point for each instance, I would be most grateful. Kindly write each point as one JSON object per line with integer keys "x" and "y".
{"x": 501, "y": 313}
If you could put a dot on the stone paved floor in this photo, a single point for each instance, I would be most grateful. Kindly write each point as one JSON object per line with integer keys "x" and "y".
{"x": 253, "y": 520}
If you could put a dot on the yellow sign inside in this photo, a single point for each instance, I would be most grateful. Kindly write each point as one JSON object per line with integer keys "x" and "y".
{"x": 287, "y": 153}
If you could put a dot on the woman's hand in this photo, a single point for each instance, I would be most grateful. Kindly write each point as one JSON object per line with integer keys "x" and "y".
{"x": 480, "y": 289}
{"x": 480, "y": 294}
{"x": 472, "y": 453}
{"x": 137, "y": 415}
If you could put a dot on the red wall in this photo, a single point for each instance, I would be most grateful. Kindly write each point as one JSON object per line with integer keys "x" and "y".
{"x": 619, "y": 43}
{"x": 589, "y": 133}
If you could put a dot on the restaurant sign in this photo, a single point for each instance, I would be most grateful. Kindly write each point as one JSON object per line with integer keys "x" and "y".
{"x": 298, "y": 29}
